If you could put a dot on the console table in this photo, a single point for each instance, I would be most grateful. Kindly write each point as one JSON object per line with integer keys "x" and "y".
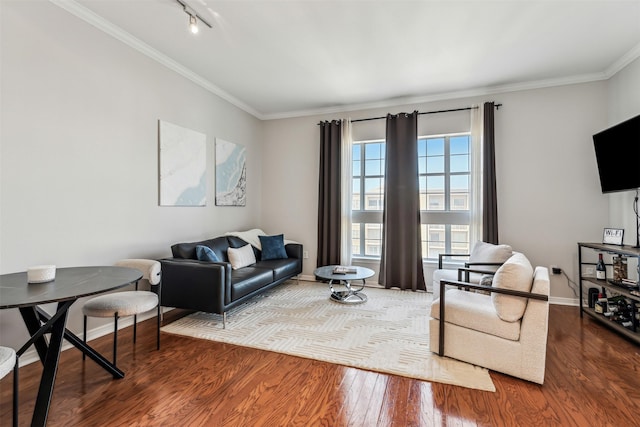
{"x": 69, "y": 285}
{"x": 631, "y": 294}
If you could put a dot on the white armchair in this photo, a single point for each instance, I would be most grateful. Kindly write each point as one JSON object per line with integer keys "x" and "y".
{"x": 505, "y": 330}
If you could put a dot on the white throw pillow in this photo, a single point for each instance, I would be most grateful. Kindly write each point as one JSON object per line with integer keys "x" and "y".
{"x": 487, "y": 252}
{"x": 516, "y": 274}
{"x": 241, "y": 257}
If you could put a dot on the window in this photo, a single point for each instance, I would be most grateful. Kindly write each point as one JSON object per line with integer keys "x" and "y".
{"x": 444, "y": 172}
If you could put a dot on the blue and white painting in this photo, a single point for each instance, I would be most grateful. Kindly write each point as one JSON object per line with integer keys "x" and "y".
{"x": 231, "y": 174}
{"x": 183, "y": 166}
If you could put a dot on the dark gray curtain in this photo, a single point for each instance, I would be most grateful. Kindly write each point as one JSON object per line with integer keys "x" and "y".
{"x": 401, "y": 258}
{"x": 329, "y": 194}
{"x": 489, "y": 196}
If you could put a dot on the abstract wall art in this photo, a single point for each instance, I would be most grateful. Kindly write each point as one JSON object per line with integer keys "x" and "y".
{"x": 183, "y": 166}
{"x": 231, "y": 174}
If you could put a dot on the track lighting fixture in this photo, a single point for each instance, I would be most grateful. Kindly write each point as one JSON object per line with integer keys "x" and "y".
{"x": 193, "y": 24}
{"x": 193, "y": 17}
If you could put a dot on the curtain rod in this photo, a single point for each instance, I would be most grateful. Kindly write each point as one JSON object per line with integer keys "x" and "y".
{"x": 424, "y": 112}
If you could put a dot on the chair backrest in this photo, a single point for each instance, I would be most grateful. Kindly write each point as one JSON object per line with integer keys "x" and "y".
{"x": 151, "y": 269}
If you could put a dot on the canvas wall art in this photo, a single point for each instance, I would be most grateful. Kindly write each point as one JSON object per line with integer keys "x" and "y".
{"x": 183, "y": 166}
{"x": 231, "y": 174}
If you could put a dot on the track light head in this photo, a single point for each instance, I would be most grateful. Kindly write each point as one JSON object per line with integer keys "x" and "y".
{"x": 193, "y": 24}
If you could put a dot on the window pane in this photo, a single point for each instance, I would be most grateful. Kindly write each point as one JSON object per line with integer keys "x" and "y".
{"x": 373, "y": 242}
{"x": 356, "y": 168}
{"x": 459, "y": 144}
{"x": 373, "y": 196}
{"x": 459, "y": 199}
{"x": 373, "y": 167}
{"x": 435, "y": 184}
{"x": 356, "y": 151}
{"x": 435, "y": 147}
{"x": 373, "y": 151}
{"x": 460, "y": 163}
{"x": 435, "y": 164}
{"x": 433, "y": 236}
{"x": 422, "y": 165}
{"x": 422, "y": 147}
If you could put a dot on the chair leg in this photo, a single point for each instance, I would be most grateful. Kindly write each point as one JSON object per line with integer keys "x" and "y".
{"x": 224, "y": 320}
{"x": 158, "y": 329}
{"x": 15, "y": 394}
{"x": 115, "y": 339}
{"x": 135, "y": 324}
{"x": 84, "y": 334}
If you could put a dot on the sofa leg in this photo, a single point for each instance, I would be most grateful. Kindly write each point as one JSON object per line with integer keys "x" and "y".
{"x": 224, "y": 320}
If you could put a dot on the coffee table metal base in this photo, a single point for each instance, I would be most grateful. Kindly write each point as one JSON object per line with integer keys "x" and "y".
{"x": 348, "y": 296}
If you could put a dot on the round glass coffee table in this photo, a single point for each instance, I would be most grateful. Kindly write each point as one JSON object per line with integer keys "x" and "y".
{"x": 346, "y": 294}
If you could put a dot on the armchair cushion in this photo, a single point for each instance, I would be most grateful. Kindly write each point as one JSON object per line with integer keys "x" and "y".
{"x": 475, "y": 311}
{"x": 516, "y": 274}
{"x": 483, "y": 252}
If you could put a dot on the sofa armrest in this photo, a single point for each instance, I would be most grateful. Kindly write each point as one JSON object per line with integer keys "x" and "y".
{"x": 468, "y": 286}
{"x": 294, "y": 250}
{"x": 196, "y": 285}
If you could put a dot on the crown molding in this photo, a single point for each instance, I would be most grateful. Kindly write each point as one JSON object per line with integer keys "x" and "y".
{"x": 626, "y": 59}
{"x": 489, "y": 90}
{"x": 118, "y": 33}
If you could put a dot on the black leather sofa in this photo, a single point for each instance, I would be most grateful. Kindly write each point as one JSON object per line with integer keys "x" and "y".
{"x": 214, "y": 287}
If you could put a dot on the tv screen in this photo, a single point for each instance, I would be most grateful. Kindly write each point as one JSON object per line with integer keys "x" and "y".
{"x": 618, "y": 156}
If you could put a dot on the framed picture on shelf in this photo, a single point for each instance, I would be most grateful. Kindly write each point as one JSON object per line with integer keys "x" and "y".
{"x": 613, "y": 236}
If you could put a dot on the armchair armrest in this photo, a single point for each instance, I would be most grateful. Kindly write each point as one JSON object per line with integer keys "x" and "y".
{"x": 467, "y": 286}
{"x": 442, "y": 256}
{"x": 467, "y": 270}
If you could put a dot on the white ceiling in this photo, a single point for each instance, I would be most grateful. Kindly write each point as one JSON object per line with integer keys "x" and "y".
{"x": 279, "y": 58}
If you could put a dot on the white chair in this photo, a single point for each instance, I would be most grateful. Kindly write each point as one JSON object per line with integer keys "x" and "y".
{"x": 505, "y": 331}
{"x": 8, "y": 362}
{"x": 128, "y": 303}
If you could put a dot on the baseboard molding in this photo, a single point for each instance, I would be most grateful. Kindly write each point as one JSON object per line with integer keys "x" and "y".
{"x": 31, "y": 355}
{"x": 575, "y": 302}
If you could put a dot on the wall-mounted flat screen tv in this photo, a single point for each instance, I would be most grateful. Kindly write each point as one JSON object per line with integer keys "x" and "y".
{"x": 618, "y": 156}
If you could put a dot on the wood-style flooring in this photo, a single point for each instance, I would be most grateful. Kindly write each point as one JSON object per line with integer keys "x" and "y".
{"x": 592, "y": 379}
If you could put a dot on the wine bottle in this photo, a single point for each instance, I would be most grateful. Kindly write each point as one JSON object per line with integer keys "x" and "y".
{"x": 601, "y": 270}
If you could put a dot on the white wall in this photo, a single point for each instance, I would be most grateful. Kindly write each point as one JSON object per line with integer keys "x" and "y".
{"x": 548, "y": 191}
{"x": 624, "y": 102}
{"x": 79, "y": 150}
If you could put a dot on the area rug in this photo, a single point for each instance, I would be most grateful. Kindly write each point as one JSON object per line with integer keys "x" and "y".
{"x": 389, "y": 333}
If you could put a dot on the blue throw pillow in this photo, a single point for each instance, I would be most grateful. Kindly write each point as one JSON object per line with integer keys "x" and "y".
{"x": 273, "y": 247}
{"x": 205, "y": 253}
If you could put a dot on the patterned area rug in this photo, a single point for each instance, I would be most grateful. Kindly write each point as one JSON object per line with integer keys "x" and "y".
{"x": 389, "y": 333}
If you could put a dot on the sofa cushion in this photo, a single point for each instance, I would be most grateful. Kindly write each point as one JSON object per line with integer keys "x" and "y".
{"x": 241, "y": 257}
{"x": 281, "y": 267}
{"x": 205, "y": 253}
{"x": 483, "y": 252}
{"x": 272, "y": 247}
{"x": 247, "y": 280}
{"x": 516, "y": 274}
{"x": 475, "y": 311}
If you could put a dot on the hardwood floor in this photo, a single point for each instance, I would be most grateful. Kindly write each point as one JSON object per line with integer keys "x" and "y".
{"x": 592, "y": 379}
